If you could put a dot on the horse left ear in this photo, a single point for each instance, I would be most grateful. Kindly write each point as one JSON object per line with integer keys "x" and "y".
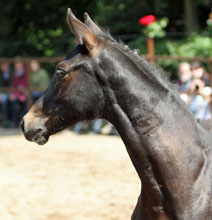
{"x": 82, "y": 33}
{"x": 92, "y": 26}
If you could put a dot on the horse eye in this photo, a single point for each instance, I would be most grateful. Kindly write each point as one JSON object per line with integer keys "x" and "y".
{"x": 61, "y": 73}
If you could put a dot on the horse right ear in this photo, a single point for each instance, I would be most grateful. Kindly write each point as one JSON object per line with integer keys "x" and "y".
{"x": 82, "y": 33}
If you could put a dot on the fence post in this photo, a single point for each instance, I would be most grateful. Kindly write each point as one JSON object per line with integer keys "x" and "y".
{"x": 29, "y": 90}
{"x": 150, "y": 49}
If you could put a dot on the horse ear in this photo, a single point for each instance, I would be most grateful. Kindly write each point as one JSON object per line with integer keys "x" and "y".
{"x": 92, "y": 26}
{"x": 82, "y": 33}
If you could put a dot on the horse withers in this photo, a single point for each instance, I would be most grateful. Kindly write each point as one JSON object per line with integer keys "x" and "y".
{"x": 170, "y": 151}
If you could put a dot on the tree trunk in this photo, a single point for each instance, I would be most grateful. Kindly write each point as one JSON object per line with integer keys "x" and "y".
{"x": 190, "y": 11}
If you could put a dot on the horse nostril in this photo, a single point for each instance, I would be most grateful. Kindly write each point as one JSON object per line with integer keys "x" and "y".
{"x": 22, "y": 125}
{"x": 39, "y": 130}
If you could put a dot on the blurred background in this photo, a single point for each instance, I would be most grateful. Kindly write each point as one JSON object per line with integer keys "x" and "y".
{"x": 34, "y": 37}
{"x": 29, "y": 28}
{"x": 88, "y": 176}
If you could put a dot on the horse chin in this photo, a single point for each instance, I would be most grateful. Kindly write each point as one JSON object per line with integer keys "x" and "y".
{"x": 40, "y": 140}
{"x": 37, "y": 137}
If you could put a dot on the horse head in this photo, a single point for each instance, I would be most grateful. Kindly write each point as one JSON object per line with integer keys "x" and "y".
{"x": 74, "y": 93}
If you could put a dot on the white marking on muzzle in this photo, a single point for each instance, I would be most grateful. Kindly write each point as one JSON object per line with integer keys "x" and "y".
{"x": 34, "y": 122}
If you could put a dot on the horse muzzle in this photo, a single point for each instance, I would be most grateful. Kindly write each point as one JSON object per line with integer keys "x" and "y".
{"x": 34, "y": 129}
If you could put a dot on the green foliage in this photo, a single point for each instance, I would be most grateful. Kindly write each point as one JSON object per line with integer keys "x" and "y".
{"x": 195, "y": 45}
{"x": 139, "y": 44}
{"x": 38, "y": 28}
{"x": 156, "y": 29}
{"x": 192, "y": 46}
{"x": 209, "y": 26}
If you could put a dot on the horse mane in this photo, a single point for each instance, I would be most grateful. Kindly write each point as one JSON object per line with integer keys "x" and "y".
{"x": 150, "y": 70}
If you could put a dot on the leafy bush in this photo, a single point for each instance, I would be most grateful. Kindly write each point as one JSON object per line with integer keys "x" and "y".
{"x": 195, "y": 45}
{"x": 192, "y": 46}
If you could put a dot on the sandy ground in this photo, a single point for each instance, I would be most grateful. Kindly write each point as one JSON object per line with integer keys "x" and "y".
{"x": 72, "y": 177}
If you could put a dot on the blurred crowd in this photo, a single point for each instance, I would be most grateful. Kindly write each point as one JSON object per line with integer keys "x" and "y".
{"x": 14, "y": 93}
{"x": 18, "y": 79}
{"x": 194, "y": 88}
{"x": 15, "y": 83}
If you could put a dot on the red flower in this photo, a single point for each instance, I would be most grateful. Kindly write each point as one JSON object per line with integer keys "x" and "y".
{"x": 147, "y": 20}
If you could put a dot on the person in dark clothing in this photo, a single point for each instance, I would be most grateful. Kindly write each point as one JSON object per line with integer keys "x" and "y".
{"x": 5, "y": 75}
{"x": 5, "y": 82}
{"x": 16, "y": 102}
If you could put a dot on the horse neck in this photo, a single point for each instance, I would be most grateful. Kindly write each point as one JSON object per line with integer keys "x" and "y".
{"x": 151, "y": 120}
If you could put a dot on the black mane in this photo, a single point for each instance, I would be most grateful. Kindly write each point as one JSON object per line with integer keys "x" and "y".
{"x": 147, "y": 68}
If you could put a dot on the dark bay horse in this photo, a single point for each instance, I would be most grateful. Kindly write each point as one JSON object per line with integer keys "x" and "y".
{"x": 170, "y": 151}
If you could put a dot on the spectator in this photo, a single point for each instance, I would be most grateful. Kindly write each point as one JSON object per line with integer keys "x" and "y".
{"x": 39, "y": 79}
{"x": 16, "y": 102}
{"x": 192, "y": 89}
{"x": 5, "y": 81}
{"x": 184, "y": 82}
{"x": 185, "y": 77}
{"x": 198, "y": 72}
{"x": 200, "y": 106}
{"x": 5, "y": 76}
{"x": 200, "y": 93}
